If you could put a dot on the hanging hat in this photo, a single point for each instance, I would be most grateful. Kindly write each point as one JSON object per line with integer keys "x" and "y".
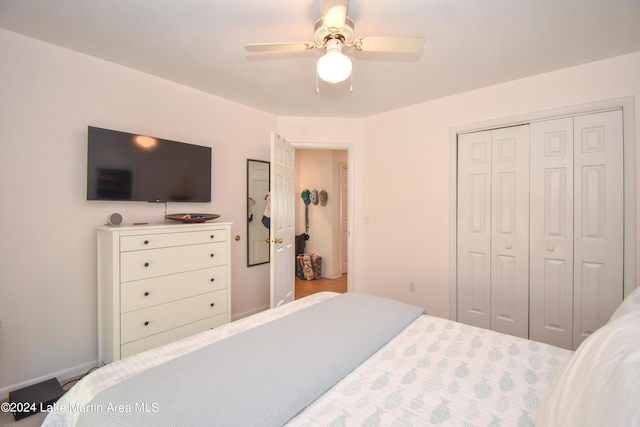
{"x": 323, "y": 198}
{"x": 314, "y": 196}
{"x": 305, "y": 197}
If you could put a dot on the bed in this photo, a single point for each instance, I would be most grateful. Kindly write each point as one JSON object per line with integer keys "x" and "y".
{"x": 359, "y": 360}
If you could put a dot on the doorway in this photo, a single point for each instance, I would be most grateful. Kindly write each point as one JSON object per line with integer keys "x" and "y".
{"x": 326, "y": 167}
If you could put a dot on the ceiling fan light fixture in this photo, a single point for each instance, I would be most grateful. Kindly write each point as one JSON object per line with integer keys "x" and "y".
{"x": 334, "y": 67}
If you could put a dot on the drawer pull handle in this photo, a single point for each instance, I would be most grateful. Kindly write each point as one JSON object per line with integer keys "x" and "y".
{"x": 146, "y": 294}
{"x": 212, "y": 304}
{"x": 146, "y": 323}
{"x": 213, "y": 279}
{"x": 146, "y": 264}
{"x": 146, "y": 242}
{"x": 212, "y": 255}
{"x": 213, "y": 236}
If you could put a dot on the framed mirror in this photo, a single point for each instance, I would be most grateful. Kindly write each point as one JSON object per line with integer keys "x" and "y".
{"x": 258, "y": 212}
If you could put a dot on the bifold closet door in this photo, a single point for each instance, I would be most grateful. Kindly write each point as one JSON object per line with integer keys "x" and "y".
{"x": 510, "y": 230}
{"x": 599, "y": 221}
{"x": 493, "y": 227}
{"x": 577, "y": 220}
{"x": 474, "y": 229}
{"x": 551, "y": 284}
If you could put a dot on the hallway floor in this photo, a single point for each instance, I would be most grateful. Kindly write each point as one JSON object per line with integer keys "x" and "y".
{"x": 308, "y": 287}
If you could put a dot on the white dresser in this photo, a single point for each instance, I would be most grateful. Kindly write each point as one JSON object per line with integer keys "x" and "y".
{"x": 160, "y": 283}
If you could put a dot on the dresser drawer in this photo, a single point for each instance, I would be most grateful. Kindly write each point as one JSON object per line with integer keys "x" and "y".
{"x": 165, "y": 240}
{"x": 153, "y": 320}
{"x": 138, "y": 265}
{"x": 160, "y": 290}
{"x": 171, "y": 335}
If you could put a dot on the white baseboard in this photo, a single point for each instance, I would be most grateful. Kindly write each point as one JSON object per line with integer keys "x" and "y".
{"x": 332, "y": 276}
{"x": 60, "y": 375}
{"x": 249, "y": 313}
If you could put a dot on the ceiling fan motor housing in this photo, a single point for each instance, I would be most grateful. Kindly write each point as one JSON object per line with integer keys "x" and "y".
{"x": 323, "y": 33}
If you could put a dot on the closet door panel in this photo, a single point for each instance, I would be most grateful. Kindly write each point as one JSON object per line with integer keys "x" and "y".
{"x": 541, "y": 230}
{"x": 599, "y": 220}
{"x": 551, "y": 232}
{"x": 510, "y": 230}
{"x": 474, "y": 229}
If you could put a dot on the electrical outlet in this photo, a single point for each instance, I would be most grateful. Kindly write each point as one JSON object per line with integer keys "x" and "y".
{"x": 412, "y": 286}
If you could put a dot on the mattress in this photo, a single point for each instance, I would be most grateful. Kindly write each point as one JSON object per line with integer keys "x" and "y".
{"x": 434, "y": 372}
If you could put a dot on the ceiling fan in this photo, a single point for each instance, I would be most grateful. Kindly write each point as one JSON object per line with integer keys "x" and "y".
{"x": 335, "y": 31}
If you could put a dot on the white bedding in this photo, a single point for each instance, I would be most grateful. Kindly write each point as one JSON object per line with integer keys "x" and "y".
{"x": 436, "y": 372}
{"x": 440, "y": 372}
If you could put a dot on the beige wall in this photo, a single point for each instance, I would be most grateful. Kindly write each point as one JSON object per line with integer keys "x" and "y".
{"x": 49, "y": 95}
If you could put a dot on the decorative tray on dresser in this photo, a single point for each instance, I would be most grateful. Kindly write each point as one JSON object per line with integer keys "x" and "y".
{"x": 160, "y": 283}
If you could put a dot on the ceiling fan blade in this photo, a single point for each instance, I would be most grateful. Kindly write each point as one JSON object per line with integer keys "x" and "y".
{"x": 266, "y": 47}
{"x": 389, "y": 44}
{"x": 334, "y": 13}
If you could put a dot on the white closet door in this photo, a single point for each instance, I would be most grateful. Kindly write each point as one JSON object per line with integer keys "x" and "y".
{"x": 510, "y": 231}
{"x": 474, "y": 229}
{"x": 599, "y": 221}
{"x": 551, "y": 284}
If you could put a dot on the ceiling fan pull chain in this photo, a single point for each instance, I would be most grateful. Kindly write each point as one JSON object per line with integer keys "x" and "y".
{"x": 317, "y": 83}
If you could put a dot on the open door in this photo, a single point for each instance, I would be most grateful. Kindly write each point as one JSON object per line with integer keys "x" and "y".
{"x": 282, "y": 230}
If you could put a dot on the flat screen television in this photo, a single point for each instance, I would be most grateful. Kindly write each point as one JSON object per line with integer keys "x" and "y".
{"x": 124, "y": 166}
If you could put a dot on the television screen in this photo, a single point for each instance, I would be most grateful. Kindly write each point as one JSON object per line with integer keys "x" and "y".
{"x": 124, "y": 166}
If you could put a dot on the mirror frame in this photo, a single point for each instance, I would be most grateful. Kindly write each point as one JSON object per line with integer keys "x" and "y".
{"x": 256, "y": 211}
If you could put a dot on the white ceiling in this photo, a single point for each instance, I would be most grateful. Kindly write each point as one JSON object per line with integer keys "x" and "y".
{"x": 469, "y": 44}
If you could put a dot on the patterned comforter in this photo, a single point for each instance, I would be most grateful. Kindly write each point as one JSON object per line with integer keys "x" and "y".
{"x": 440, "y": 372}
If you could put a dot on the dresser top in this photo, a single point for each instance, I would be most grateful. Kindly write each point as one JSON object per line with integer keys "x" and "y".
{"x": 164, "y": 225}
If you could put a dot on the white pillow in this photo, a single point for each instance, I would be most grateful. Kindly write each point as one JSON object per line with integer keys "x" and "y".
{"x": 600, "y": 386}
{"x": 630, "y": 303}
